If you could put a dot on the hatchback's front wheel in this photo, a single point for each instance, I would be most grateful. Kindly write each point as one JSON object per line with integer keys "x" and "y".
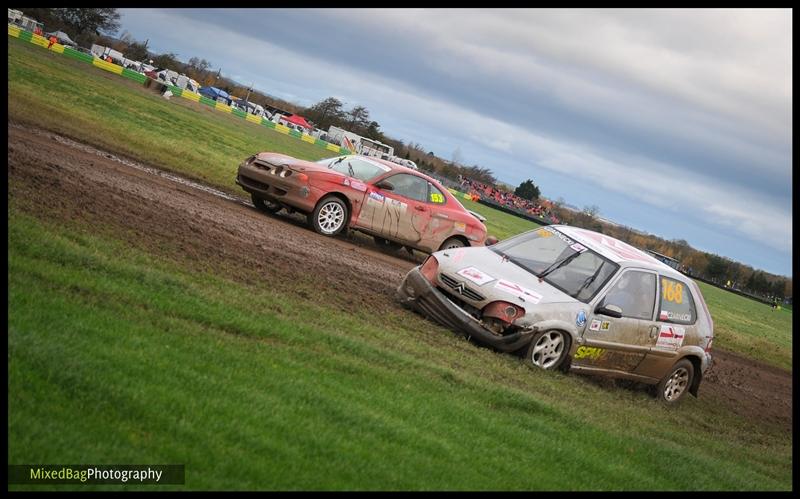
{"x": 676, "y": 383}
{"x": 329, "y": 216}
{"x": 548, "y": 350}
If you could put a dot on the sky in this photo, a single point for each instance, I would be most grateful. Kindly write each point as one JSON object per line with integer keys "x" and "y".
{"x": 673, "y": 122}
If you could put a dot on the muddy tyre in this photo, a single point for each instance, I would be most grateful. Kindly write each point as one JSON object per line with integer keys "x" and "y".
{"x": 548, "y": 350}
{"x": 674, "y": 386}
{"x": 329, "y": 216}
{"x": 453, "y": 242}
{"x": 265, "y": 206}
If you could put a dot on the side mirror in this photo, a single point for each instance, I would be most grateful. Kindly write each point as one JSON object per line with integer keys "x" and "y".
{"x": 490, "y": 240}
{"x": 385, "y": 185}
{"x": 609, "y": 310}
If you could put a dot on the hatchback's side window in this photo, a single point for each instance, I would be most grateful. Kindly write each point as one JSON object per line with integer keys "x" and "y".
{"x": 634, "y": 293}
{"x": 677, "y": 304}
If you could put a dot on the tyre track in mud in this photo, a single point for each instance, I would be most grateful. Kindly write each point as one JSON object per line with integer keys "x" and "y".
{"x": 61, "y": 180}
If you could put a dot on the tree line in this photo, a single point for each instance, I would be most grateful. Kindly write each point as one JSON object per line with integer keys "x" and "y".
{"x": 85, "y": 27}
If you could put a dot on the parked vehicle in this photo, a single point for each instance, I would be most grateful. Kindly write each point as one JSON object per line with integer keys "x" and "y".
{"x": 253, "y": 108}
{"x": 396, "y": 205}
{"x": 572, "y": 299}
{"x": 106, "y": 53}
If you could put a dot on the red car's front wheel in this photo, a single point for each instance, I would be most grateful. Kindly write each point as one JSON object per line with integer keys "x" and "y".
{"x": 329, "y": 216}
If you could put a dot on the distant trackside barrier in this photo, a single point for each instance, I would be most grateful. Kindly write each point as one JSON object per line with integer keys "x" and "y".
{"x": 43, "y": 42}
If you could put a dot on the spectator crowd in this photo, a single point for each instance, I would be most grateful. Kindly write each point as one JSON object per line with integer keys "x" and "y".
{"x": 541, "y": 209}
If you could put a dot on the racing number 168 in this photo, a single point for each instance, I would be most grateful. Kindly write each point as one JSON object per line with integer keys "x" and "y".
{"x": 672, "y": 291}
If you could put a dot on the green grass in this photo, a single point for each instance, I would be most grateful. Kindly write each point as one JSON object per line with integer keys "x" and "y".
{"x": 108, "y": 111}
{"x": 749, "y": 327}
{"x": 121, "y": 356}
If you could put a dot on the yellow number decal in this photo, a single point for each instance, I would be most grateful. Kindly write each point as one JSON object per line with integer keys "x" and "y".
{"x": 437, "y": 198}
{"x": 672, "y": 291}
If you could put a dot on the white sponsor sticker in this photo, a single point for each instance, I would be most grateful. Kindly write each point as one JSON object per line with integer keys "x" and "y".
{"x": 517, "y": 290}
{"x": 460, "y": 226}
{"x": 672, "y": 316}
{"x": 578, "y": 247}
{"x": 595, "y": 325}
{"x": 401, "y": 206}
{"x": 475, "y": 275}
{"x": 670, "y": 337}
{"x": 358, "y": 185}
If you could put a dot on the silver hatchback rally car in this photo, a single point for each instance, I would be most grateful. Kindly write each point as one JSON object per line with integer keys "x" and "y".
{"x": 572, "y": 299}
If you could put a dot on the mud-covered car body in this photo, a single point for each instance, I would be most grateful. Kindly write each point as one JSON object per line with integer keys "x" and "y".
{"x": 383, "y": 199}
{"x": 620, "y": 312}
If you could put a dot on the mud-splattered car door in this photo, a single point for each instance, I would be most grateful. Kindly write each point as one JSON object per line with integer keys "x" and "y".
{"x": 620, "y": 343}
{"x": 400, "y": 213}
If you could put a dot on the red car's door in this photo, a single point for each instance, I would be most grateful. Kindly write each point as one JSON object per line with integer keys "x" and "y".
{"x": 401, "y": 213}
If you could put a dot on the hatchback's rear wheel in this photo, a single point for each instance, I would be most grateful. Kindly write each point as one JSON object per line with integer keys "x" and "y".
{"x": 330, "y": 216}
{"x": 676, "y": 383}
{"x": 548, "y": 350}
{"x": 262, "y": 204}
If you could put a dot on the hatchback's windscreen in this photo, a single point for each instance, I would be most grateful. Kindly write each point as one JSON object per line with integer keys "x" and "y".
{"x": 562, "y": 262}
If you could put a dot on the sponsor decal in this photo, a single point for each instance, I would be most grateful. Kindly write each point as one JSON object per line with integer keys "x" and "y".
{"x": 401, "y": 206}
{"x": 584, "y": 352}
{"x": 670, "y": 337}
{"x": 543, "y": 232}
{"x": 475, "y": 275}
{"x": 667, "y": 315}
{"x": 376, "y": 196}
{"x": 561, "y": 236}
{"x": 459, "y": 255}
{"x": 581, "y": 319}
{"x": 358, "y": 185}
{"x": 578, "y": 247}
{"x": 518, "y": 291}
{"x": 595, "y": 325}
{"x": 460, "y": 226}
{"x": 605, "y": 326}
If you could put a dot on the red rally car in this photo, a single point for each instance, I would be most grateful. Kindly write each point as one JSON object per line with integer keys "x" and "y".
{"x": 398, "y": 206}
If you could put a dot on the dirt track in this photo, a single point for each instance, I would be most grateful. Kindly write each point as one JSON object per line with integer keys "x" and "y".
{"x": 58, "y": 179}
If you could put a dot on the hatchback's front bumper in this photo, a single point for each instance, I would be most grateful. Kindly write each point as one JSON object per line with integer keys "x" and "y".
{"x": 418, "y": 293}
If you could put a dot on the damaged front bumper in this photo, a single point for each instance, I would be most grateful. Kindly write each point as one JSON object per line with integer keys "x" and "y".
{"x": 418, "y": 293}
